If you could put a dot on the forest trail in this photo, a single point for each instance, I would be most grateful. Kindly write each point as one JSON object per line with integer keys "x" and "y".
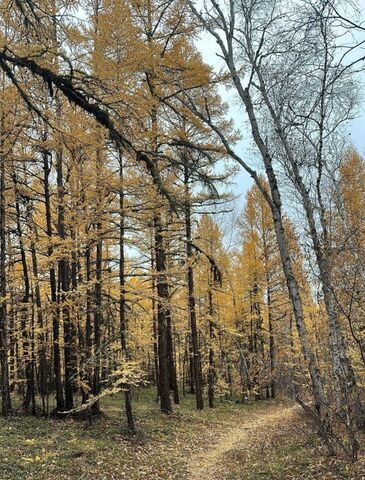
{"x": 212, "y": 464}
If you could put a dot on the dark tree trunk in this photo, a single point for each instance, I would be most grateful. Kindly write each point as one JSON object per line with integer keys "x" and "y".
{"x": 42, "y": 346}
{"x": 162, "y": 317}
{"x": 191, "y": 365}
{"x": 122, "y": 301}
{"x": 96, "y": 387}
{"x": 154, "y": 320}
{"x": 64, "y": 286}
{"x": 29, "y": 396}
{"x": 97, "y": 317}
{"x": 197, "y": 369}
{"x": 60, "y": 403}
{"x": 211, "y": 372}
{"x": 87, "y": 376}
{"x": 171, "y": 360}
{"x": 74, "y": 321}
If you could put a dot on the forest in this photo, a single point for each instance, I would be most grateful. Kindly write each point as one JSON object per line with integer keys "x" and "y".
{"x": 182, "y": 240}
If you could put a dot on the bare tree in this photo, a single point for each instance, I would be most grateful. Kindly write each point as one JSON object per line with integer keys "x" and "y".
{"x": 284, "y": 67}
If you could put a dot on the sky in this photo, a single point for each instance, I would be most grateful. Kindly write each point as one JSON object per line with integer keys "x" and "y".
{"x": 356, "y": 129}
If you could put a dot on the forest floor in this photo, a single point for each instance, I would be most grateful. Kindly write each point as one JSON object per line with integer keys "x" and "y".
{"x": 260, "y": 441}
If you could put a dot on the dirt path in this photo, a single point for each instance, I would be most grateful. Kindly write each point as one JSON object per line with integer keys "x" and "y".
{"x": 211, "y": 464}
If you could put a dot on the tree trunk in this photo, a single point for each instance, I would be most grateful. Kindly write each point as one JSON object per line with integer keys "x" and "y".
{"x": 292, "y": 284}
{"x": 42, "y": 346}
{"x": 342, "y": 367}
{"x": 162, "y": 317}
{"x": 198, "y": 380}
{"x": 97, "y": 317}
{"x": 171, "y": 360}
{"x": 87, "y": 375}
{"x": 211, "y": 371}
{"x": 29, "y": 395}
{"x": 60, "y": 403}
{"x": 64, "y": 286}
{"x": 341, "y": 364}
{"x": 96, "y": 388}
{"x": 122, "y": 300}
{"x": 271, "y": 341}
{"x": 5, "y": 385}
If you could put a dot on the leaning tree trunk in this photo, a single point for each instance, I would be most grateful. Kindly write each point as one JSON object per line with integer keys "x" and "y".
{"x": 341, "y": 363}
{"x": 291, "y": 281}
{"x": 342, "y": 367}
{"x": 274, "y": 200}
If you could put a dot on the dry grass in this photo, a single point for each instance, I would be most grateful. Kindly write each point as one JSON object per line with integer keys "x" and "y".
{"x": 236, "y": 442}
